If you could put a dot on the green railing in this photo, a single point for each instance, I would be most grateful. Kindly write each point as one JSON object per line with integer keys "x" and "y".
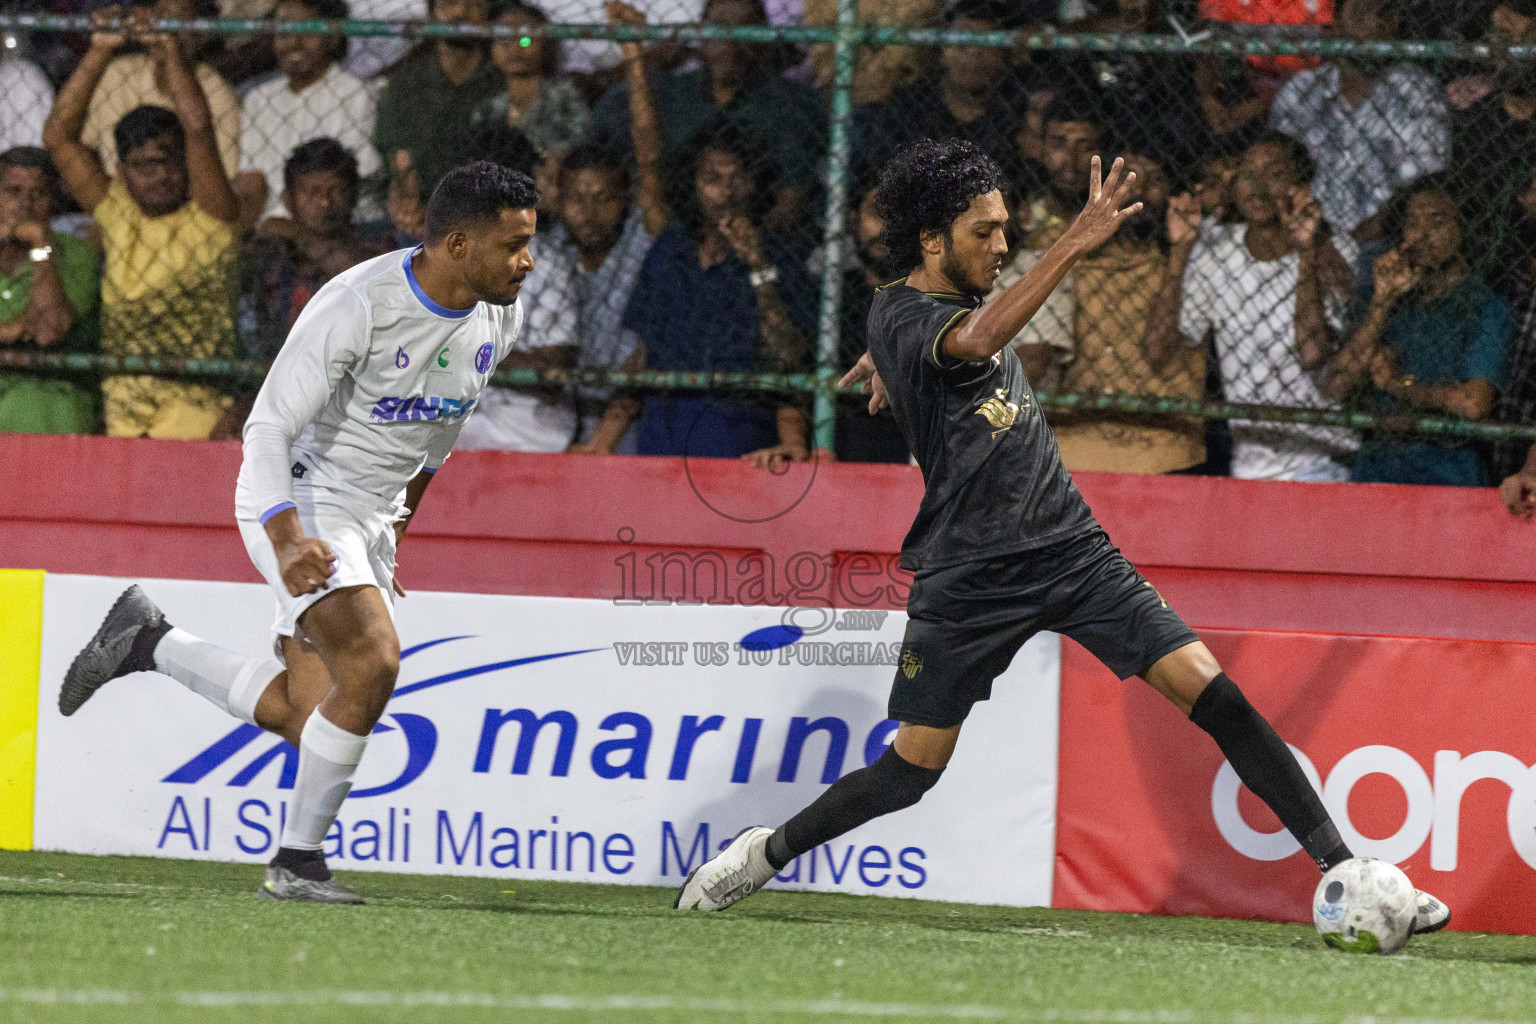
{"x": 845, "y": 36}
{"x": 820, "y": 385}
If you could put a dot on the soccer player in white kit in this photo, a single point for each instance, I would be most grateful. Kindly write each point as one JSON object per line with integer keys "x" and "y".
{"x": 360, "y": 409}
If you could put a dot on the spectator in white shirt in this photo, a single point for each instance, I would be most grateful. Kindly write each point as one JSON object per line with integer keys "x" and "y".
{"x": 1370, "y": 130}
{"x": 312, "y": 98}
{"x": 25, "y": 99}
{"x": 1270, "y": 290}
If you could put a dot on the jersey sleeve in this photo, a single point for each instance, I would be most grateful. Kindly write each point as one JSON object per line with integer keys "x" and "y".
{"x": 329, "y": 339}
{"x": 919, "y": 324}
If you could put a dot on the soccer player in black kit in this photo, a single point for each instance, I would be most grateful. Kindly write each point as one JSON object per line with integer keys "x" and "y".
{"x": 1003, "y": 545}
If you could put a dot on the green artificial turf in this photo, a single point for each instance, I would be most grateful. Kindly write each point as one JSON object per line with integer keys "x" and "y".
{"x": 122, "y": 940}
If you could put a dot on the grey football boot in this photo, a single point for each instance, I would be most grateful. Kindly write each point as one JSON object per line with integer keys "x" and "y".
{"x": 282, "y": 884}
{"x": 115, "y": 650}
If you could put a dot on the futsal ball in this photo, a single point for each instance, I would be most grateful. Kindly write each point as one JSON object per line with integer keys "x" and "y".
{"x": 1365, "y": 905}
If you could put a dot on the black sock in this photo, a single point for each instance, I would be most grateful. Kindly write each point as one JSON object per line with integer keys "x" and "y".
{"x": 889, "y": 784}
{"x": 308, "y": 864}
{"x": 141, "y": 656}
{"x": 1268, "y": 768}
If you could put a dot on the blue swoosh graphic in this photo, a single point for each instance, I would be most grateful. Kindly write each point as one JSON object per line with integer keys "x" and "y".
{"x": 480, "y": 670}
{"x": 433, "y": 643}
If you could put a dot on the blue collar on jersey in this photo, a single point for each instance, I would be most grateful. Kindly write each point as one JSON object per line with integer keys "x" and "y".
{"x": 424, "y": 298}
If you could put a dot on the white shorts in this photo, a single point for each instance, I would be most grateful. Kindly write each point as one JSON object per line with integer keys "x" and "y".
{"x": 362, "y": 541}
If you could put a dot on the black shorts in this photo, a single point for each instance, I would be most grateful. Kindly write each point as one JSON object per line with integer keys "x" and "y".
{"x": 966, "y": 622}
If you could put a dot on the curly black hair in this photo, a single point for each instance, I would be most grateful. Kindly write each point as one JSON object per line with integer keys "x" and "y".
{"x": 925, "y": 187}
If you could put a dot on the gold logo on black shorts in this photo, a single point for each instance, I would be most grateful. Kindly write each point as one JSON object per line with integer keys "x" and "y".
{"x": 1163, "y": 600}
{"x": 911, "y": 663}
{"x": 999, "y": 412}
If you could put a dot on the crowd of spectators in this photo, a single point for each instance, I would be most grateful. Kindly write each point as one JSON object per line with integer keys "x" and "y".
{"x": 1353, "y": 232}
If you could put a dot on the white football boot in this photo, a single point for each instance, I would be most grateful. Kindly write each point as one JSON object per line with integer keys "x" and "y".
{"x": 737, "y": 872}
{"x": 1432, "y": 915}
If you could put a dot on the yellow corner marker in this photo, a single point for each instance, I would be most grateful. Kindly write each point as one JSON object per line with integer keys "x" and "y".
{"x": 21, "y": 650}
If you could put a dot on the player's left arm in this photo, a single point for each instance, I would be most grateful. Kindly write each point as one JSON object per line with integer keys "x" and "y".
{"x": 981, "y": 335}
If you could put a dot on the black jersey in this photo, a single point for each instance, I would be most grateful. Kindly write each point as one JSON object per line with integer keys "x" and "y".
{"x": 994, "y": 482}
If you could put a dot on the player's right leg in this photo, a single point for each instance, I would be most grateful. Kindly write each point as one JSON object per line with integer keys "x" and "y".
{"x": 1120, "y": 617}
{"x": 135, "y": 637}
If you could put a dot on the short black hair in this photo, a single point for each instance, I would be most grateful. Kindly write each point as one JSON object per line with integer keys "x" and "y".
{"x": 1295, "y": 151}
{"x": 589, "y": 156}
{"x": 146, "y": 124}
{"x": 33, "y": 157}
{"x": 925, "y": 187}
{"x": 316, "y": 155}
{"x": 1394, "y": 215}
{"x": 496, "y": 141}
{"x": 1077, "y": 105}
{"x": 475, "y": 194}
{"x": 36, "y": 158}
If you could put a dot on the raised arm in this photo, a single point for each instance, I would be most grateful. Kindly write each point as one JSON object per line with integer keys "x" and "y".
{"x": 644, "y": 124}
{"x": 1162, "y": 338}
{"x": 206, "y": 178}
{"x": 984, "y": 333}
{"x": 77, "y": 163}
{"x": 1321, "y": 272}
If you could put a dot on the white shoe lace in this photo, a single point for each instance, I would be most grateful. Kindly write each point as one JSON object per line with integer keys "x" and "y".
{"x": 723, "y": 889}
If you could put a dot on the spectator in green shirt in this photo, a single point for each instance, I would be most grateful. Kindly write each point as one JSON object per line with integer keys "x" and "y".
{"x": 733, "y": 86}
{"x": 48, "y": 294}
{"x": 429, "y": 99}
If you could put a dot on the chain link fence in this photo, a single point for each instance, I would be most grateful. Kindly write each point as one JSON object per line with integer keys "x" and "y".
{"x": 1332, "y": 273}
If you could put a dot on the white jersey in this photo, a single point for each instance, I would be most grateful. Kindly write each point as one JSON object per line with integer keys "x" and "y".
{"x": 371, "y": 388}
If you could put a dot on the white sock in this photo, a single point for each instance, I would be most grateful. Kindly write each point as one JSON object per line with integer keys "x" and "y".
{"x": 328, "y": 755}
{"x": 231, "y": 681}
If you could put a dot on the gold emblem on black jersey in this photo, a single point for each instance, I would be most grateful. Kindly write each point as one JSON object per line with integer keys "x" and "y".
{"x": 1000, "y": 412}
{"x": 911, "y": 663}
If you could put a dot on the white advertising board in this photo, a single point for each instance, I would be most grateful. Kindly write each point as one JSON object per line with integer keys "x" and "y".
{"x": 553, "y": 738}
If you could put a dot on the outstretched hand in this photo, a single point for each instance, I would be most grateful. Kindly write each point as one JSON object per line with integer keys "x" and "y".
{"x": 1102, "y": 217}
{"x": 864, "y": 372}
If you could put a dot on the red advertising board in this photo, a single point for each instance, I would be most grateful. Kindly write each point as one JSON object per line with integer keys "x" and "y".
{"x": 1423, "y": 751}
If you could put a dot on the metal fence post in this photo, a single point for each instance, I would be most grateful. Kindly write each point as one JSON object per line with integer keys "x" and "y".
{"x": 829, "y": 326}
